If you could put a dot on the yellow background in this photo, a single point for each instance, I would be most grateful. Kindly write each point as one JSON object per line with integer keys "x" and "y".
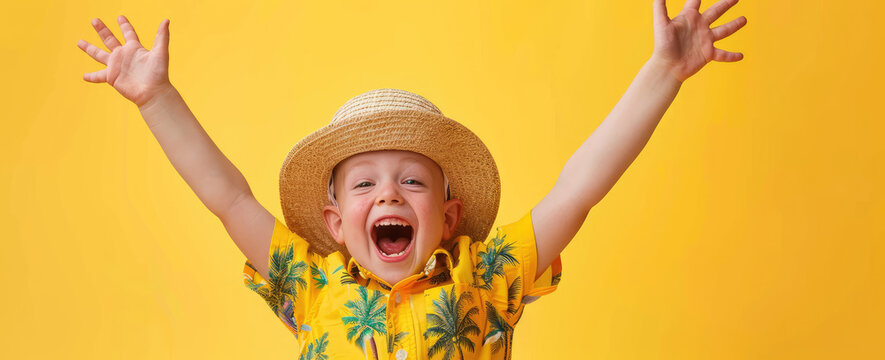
{"x": 750, "y": 227}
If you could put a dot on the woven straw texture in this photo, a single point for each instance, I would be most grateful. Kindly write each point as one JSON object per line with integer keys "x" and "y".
{"x": 388, "y": 119}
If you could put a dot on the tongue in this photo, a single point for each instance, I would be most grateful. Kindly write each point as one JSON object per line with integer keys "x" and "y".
{"x": 392, "y": 246}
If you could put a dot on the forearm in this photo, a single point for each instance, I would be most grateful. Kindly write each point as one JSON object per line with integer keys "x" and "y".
{"x": 214, "y": 179}
{"x": 601, "y": 160}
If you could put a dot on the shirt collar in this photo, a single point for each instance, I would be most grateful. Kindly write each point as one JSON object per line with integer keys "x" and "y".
{"x": 433, "y": 262}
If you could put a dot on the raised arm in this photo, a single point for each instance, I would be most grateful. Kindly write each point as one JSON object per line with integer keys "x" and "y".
{"x": 683, "y": 46}
{"x": 142, "y": 77}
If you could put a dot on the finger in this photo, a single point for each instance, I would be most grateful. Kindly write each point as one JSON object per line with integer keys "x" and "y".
{"x": 715, "y": 11}
{"x": 691, "y": 5}
{"x": 660, "y": 13}
{"x": 722, "y": 31}
{"x": 107, "y": 37}
{"x": 93, "y": 51}
{"x": 97, "y": 76}
{"x": 127, "y": 29}
{"x": 161, "y": 42}
{"x": 727, "y": 56}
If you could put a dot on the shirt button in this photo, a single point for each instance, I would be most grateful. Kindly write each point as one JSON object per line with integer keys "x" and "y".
{"x": 398, "y": 299}
{"x": 401, "y": 354}
{"x": 431, "y": 263}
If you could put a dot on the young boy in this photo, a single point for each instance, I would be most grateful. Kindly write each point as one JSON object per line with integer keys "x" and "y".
{"x": 391, "y": 204}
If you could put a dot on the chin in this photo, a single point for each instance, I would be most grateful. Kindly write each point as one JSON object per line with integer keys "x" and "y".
{"x": 393, "y": 272}
{"x": 393, "y": 279}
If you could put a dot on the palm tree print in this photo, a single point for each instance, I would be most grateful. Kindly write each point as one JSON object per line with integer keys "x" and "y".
{"x": 493, "y": 259}
{"x": 368, "y": 316}
{"x": 513, "y": 292}
{"x": 440, "y": 278}
{"x": 287, "y": 314}
{"x": 285, "y": 273}
{"x": 319, "y": 276}
{"x": 499, "y": 334}
{"x": 253, "y": 286}
{"x": 316, "y": 349}
{"x": 394, "y": 340}
{"x": 451, "y": 324}
{"x": 346, "y": 279}
{"x": 281, "y": 292}
{"x": 477, "y": 278}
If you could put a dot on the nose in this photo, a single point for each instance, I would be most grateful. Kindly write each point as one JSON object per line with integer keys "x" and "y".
{"x": 388, "y": 194}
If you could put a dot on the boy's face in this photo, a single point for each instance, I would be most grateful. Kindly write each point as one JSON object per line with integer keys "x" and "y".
{"x": 409, "y": 186}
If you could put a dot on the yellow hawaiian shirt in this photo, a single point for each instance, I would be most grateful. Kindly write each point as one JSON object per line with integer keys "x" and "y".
{"x": 464, "y": 305}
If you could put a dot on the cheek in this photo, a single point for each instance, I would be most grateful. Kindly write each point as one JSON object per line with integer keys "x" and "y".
{"x": 357, "y": 211}
{"x": 431, "y": 212}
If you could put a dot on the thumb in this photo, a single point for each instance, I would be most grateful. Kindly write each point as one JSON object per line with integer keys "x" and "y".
{"x": 161, "y": 42}
{"x": 660, "y": 13}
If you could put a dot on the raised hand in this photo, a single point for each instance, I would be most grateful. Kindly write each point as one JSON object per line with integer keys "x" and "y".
{"x": 685, "y": 43}
{"x": 135, "y": 72}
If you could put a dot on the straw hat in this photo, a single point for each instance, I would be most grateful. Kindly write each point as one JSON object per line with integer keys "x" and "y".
{"x": 388, "y": 119}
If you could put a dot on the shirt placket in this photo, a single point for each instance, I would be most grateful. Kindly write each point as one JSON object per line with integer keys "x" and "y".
{"x": 405, "y": 306}
{"x": 409, "y": 297}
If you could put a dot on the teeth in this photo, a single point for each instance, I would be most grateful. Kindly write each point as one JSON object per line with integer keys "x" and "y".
{"x": 391, "y": 221}
{"x": 397, "y": 254}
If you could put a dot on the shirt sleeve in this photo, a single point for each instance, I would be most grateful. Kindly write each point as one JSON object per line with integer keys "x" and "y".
{"x": 290, "y": 289}
{"x": 511, "y": 253}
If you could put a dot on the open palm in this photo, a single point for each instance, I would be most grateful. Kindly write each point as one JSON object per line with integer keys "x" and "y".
{"x": 135, "y": 72}
{"x": 686, "y": 41}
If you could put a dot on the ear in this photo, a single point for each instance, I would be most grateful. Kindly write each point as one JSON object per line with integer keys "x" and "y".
{"x": 332, "y": 217}
{"x": 452, "y": 216}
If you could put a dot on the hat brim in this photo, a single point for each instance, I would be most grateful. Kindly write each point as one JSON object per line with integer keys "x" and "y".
{"x": 466, "y": 161}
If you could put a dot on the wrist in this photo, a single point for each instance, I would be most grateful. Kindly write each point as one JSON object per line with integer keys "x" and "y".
{"x": 159, "y": 95}
{"x": 664, "y": 69}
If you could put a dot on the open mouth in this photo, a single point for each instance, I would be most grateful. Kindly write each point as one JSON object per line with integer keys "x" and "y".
{"x": 393, "y": 239}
